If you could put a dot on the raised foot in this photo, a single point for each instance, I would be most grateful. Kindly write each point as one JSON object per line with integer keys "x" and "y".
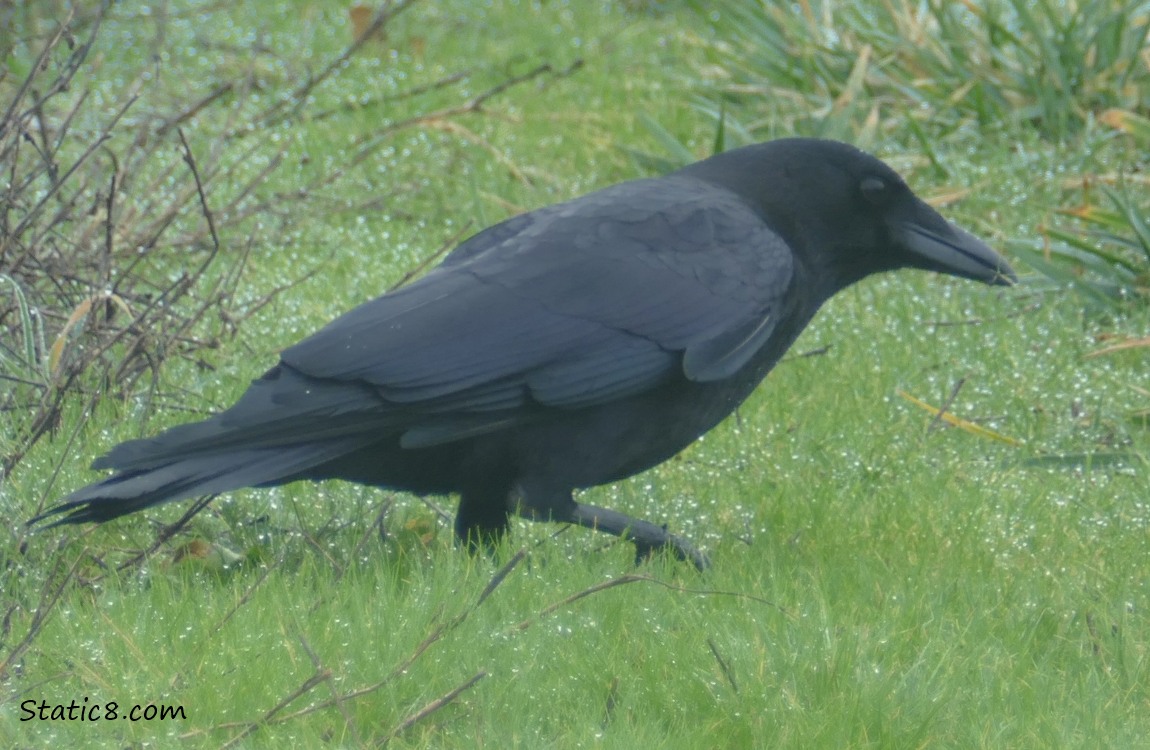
{"x": 646, "y": 536}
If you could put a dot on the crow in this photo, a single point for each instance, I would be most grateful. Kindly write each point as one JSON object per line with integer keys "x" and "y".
{"x": 564, "y": 348}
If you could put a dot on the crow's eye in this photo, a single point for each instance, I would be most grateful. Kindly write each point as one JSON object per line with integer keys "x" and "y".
{"x": 875, "y": 190}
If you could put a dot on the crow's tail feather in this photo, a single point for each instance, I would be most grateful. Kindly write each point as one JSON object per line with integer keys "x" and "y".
{"x": 194, "y": 475}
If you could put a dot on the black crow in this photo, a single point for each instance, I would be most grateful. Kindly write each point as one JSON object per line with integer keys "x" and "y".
{"x": 564, "y": 348}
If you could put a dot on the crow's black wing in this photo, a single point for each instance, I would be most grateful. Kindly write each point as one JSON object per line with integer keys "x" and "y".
{"x": 570, "y": 306}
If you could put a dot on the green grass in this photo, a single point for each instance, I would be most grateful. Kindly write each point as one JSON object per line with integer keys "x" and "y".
{"x": 878, "y": 581}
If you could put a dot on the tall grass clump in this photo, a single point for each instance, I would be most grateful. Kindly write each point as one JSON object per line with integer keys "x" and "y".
{"x": 831, "y": 68}
{"x": 939, "y": 76}
{"x": 1100, "y": 247}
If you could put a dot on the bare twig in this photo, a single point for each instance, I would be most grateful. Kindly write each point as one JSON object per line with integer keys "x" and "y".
{"x": 431, "y": 708}
{"x": 9, "y": 115}
{"x": 335, "y": 696}
{"x": 443, "y": 515}
{"x": 723, "y": 665}
{"x": 622, "y": 580}
{"x": 637, "y": 578}
{"x": 934, "y": 423}
{"x": 474, "y": 105}
{"x": 500, "y": 576}
{"x": 611, "y": 702}
{"x": 360, "y": 106}
{"x": 166, "y": 533}
{"x": 190, "y": 160}
{"x": 246, "y": 597}
{"x": 436, "y": 634}
{"x": 49, "y": 597}
{"x": 297, "y": 98}
{"x": 195, "y": 108}
{"x": 109, "y": 226}
{"x": 321, "y": 674}
{"x": 433, "y": 258}
{"x": 398, "y": 670}
{"x": 377, "y": 523}
{"x": 63, "y": 179}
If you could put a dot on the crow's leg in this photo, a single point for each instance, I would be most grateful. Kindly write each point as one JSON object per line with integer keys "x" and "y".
{"x": 537, "y": 502}
{"x": 646, "y": 536}
{"x": 482, "y": 519}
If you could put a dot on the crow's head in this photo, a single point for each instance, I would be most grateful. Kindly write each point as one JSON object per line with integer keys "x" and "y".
{"x": 846, "y": 215}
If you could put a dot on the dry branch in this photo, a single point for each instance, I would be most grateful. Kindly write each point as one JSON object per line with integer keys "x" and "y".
{"x": 127, "y": 261}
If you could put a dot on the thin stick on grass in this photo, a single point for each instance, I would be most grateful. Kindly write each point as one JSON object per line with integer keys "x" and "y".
{"x": 378, "y": 522}
{"x": 436, "y": 634}
{"x": 430, "y": 639}
{"x": 451, "y": 242}
{"x": 471, "y": 106}
{"x": 622, "y": 580}
{"x": 190, "y": 160}
{"x": 49, "y": 598}
{"x": 166, "y": 533}
{"x": 934, "y": 423}
{"x": 382, "y": 18}
{"x": 611, "y": 703}
{"x": 629, "y": 578}
{"x": 335, "y": 696}
{"x": 431, "y": 708}
{"x": 723, "y": 665}
{"x": 244, "y": 598}
{"x": 320, "y": 675}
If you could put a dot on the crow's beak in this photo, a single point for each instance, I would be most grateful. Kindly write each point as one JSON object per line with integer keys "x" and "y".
{"x": 935, "y": 244}
{"x": 945, "y": 248}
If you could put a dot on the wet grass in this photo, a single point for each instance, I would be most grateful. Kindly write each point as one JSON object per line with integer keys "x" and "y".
{"x": 881, "y": 578}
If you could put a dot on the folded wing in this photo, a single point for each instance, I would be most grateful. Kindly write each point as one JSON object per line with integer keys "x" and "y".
{"x": 567, "y": 307}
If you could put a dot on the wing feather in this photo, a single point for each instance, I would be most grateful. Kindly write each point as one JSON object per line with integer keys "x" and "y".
{"x": 567, "y": 307}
